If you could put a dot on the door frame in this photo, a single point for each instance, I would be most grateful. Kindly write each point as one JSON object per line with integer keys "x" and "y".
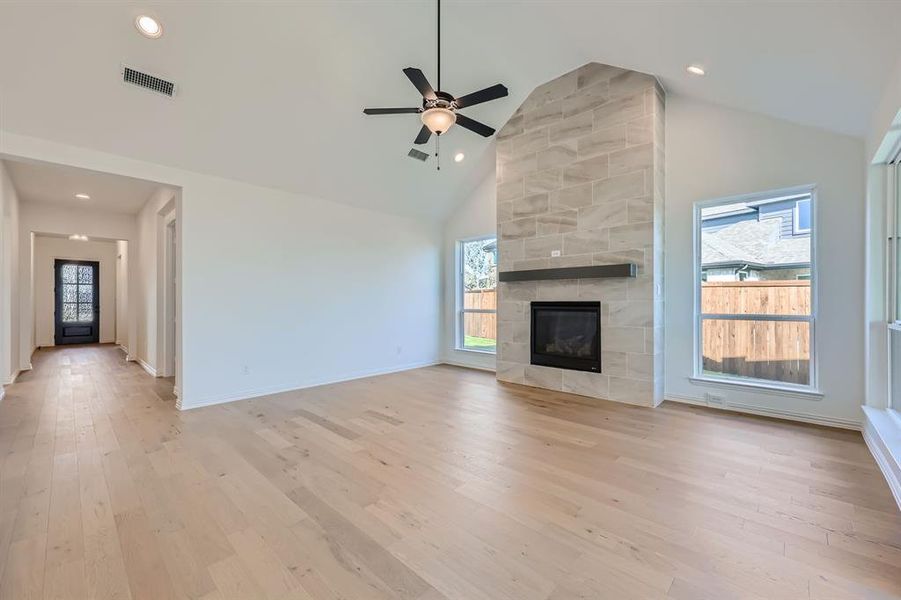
{"x": 58, "y": 299}
{"x": 170, "y": 294}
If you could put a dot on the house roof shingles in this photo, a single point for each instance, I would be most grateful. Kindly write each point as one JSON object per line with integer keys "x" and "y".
{"x": 753, "y": 242}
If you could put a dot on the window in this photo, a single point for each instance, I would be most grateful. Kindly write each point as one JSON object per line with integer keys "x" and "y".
{"x": 755, "y": 291}
{"x": 78, "y": 293}
{"x": 477, "y": 295}
{"x": 802, "y": 219}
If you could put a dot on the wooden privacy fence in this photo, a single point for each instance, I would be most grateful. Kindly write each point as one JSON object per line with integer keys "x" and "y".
{"x": 483, "y": 325}
{"x": 773, "y": 350}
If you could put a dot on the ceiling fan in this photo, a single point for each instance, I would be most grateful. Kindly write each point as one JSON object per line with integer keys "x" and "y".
{"x": 439, "y": 109}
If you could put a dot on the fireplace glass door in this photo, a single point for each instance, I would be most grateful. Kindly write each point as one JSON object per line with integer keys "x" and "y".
{"x": 567, "y": 335}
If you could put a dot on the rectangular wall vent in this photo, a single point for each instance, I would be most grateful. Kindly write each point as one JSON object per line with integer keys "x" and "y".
{"x": 414, "y": 153}
{"x": 148, "y": 81}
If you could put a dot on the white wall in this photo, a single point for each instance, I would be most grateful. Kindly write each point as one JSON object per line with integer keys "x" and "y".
{"x": 475, "y": 217}
{"x": 10, "y": 359}
{"x": 713, "y": 152}
{"x": 46, "y": 250}
{"x": 885, "y": 124}
{"x": 280, "y": 290}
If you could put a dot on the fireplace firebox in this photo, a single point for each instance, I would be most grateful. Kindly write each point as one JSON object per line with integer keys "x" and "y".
{"x": 567, "y": 335}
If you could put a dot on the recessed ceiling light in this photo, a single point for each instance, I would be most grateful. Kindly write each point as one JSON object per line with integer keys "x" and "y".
{"x": 149, "y": 27}
{"x": 78, "y": 237}
{"x": 459, "y": 157}
{"x": 82, "y": 196}
{"x": 696, "y": 70}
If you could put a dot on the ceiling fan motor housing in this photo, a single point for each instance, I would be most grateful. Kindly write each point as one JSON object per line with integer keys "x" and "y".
{"x": 441, "y": 100}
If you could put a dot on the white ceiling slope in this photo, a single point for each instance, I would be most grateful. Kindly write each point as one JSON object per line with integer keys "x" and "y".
{"x": 57, "y": 185}
{"x": 271, "y": 93}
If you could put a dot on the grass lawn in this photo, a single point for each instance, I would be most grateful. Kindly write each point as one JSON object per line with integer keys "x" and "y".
{"x": 479, "y": 343}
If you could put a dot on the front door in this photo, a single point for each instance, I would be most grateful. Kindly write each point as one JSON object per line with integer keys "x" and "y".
{"x": 77, "y": 301}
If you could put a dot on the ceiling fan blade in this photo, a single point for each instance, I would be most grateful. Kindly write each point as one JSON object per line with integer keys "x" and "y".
{"x": 422, "y": 84}
{"x": 424, "y": 135}
{"x": 490, "y": 93}
{"x": 390, "y": 111}
{"x": 473, "y": 125}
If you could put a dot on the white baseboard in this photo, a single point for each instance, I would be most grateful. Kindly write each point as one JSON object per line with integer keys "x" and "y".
{"x": 289, "y": 387}
{"x": 789, "y": 415}
{"x": 890, "y": 467}
{"x": 146, "y": 367}
{"x": 457, "y": 363}
{"x": 2, "y": 393}
{"x": 12, "y": 378}
{"x": 685, "y": 399}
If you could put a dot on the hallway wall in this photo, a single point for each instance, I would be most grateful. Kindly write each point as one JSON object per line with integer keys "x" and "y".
{"x": 10, "y": 360}
{"x": 46, "y": 250}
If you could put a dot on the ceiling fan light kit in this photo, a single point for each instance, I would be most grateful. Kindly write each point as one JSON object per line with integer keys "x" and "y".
{"x": 439, "y": 109}
{"x": 438, "y": 119}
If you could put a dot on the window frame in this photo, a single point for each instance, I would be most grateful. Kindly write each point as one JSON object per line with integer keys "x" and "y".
{"x": 892, "y": 277}
{"x": 811, "y": 389}
{"x": 460, "y": 311}
{"x": 892, "y": 233}
{"x": 796, "y": 217}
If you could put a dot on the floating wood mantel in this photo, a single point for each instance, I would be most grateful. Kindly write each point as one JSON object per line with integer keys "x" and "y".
{"x": 594, "y": 272}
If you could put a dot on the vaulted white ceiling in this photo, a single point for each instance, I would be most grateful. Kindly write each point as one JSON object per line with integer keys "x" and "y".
{"x": 271, "y": 93}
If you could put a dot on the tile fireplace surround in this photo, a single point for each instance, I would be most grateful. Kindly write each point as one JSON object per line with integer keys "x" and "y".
{"x": 580, "y": 182}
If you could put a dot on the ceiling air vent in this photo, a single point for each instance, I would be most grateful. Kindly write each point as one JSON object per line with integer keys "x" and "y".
{"x": 414, "y": 153}
{"x": 148, "y": 81}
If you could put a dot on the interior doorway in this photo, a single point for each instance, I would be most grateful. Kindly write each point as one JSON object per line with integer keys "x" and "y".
{"x": 170, "y": 318}
{"x": 77, "y": 301}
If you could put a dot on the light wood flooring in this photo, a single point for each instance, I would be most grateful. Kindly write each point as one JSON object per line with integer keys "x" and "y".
{"x": 429, "y": 484}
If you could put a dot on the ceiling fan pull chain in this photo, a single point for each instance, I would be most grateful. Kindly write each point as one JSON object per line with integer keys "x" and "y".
{"x": 437, "y": 148}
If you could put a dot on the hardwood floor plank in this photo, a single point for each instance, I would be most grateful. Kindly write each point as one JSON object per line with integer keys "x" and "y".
{"x": 147, "y": 574}
{"x": 23, "y": 578}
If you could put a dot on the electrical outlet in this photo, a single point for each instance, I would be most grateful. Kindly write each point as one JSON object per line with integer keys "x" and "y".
{"x": 715, "y": 400}
{"x": 555, "y": 253}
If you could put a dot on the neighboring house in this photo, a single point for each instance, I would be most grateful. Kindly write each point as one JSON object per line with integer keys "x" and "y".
{"x": 757, "y": 241}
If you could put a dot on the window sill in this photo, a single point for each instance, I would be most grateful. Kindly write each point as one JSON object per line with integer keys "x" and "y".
{"x": 474, "y": 351}
{"x": 774, "y": 390}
